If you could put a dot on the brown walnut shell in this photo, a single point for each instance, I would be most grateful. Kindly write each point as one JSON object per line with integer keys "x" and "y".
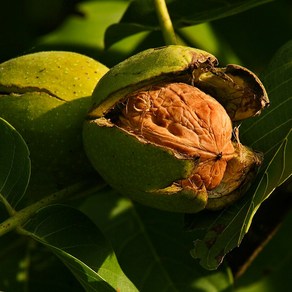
{"x": 185, "y": 119}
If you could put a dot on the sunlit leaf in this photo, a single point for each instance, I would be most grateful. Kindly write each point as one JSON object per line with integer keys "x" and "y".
{"x": 14, "y": 165}
{"x": 151, "y": 246}
{"x": 88, "y": 26}
{"x": 271, "y": 134}
{"x": 81, "y": 246}
{"x": 119, "y": 31}
{"x": 84, "y": 32}
{"x": 203, "y": 36}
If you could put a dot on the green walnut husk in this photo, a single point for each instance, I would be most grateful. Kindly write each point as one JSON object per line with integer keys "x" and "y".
{"x": 160, "y": 129}
{"x": 45, "y": 96}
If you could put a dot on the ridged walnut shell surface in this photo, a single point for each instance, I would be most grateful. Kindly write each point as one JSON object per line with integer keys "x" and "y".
{"x": 188, "y": 121}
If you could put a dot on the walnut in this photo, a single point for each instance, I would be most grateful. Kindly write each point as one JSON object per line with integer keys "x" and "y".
{"x": 185, "y": 119}
{"x": 160, "y": 129}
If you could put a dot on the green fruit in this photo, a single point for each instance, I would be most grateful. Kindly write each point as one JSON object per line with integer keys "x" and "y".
{"x": 160, "y": 129}
{"x": 45, "y": 96}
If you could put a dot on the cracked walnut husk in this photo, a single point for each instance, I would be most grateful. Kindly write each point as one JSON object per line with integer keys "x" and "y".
{"x": 161, "y": 129}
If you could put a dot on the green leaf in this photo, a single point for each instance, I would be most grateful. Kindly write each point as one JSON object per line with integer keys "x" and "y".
{"x": 84, "y": 32}
{"x": 265, "y": 132}
{"x": 26, "y": 265}
{"x": 88, "y": 27}
{"x": 278, "y": 170}
{"x": 151, "y": 246}
{"x": 81, "y": 246}
{"x": 271, "y": 270}
{"x": 189, "y": 12}
{"x": 142, "y": 15}
{"x": 14, "y": 166}
{"x": 13, "y": 263}
{"x": 119, "y": 31}
{"x": 271, "y": 134}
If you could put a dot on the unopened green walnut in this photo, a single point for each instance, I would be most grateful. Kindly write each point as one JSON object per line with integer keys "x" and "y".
{"x": 161, "y": 129}
{"x": 45, "y": 96}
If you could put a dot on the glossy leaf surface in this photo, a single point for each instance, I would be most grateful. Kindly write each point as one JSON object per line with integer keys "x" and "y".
{"x": 81, "y": 246}
{"x": 14, "y": 165}
{"x": 271, "y": 134}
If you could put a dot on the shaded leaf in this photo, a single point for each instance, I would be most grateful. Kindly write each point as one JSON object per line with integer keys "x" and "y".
{"x": 271, "y": 270}
{"x": 203, "y": 36}
{"x": 183, "y": 13}
{"x": 271, "y": 127}
{"x": 14, "y": 165}
{"x": 81, "y": 246}
{"x": 13, "y": 263}
{"x": 278, "y": 170}
{"x": 151, "y": 246}
{"x": 119, "y": 31}
{"x": 84, "y": 32}
{"x": 271, "y": 134}
{"x": 88, "y": 26}
{"x": 188, "y": 12}
{"x": 26, "y": 265}
{"x": 254, "y": 26}
{"x": 271, "y": 131}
